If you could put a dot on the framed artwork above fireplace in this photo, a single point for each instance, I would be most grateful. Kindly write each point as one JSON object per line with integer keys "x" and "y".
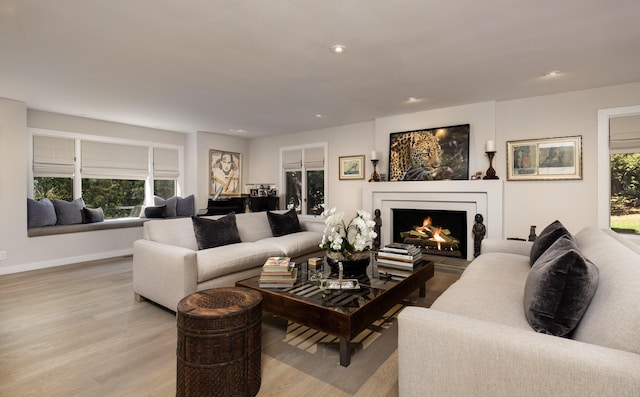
{"x": 431, "y": 154}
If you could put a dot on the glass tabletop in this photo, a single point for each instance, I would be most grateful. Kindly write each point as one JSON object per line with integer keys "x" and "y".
{"x": 322, "y": 288}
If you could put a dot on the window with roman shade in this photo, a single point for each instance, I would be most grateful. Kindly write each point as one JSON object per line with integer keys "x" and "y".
{"x": 304, "y": 178}
{"x": 165, "y": 163}
{"x": 53, "y": 156}
{"x": 110, "y": 160}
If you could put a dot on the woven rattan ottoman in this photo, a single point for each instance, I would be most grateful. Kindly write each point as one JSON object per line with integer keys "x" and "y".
{"x": 219, "y": 343}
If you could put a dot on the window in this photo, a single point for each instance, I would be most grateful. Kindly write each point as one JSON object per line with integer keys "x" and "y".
{"x": 624, "y": 161}
{"x": 118, "y": 177}
{"x": 304, "y": 178}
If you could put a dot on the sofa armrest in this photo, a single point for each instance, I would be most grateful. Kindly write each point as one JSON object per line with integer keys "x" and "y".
{"x": 164, "y": 273}
{"x": 444, "y": 354}
{"x": 508, "y": 246}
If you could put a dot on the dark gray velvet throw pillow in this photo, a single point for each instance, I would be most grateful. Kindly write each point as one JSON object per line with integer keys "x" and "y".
{"x": 547, "y": 237}
{"x": 283, "y": 224}
{"x": 93, "y": 215}
{"x": 559, "y": 288}
{"x": 69, "y": 212}
{"x": 212, "y": 233}
{"x": 40, "y": 213}
{"x": 186, "y": 206}
{"x": 155, "y": 212}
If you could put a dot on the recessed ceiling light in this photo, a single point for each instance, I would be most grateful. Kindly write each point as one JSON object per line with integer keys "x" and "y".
{"x": 320, "y": 116}
{"x": 236, "y": 130}
{"x": 552, "y": 73}
{"x": 338, "y": 49}
{"x": 413, "y": 99}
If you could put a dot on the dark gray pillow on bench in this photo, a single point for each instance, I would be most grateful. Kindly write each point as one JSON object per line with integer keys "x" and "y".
{"x": 40, "y": 213}
{"x": 69, "y": 212}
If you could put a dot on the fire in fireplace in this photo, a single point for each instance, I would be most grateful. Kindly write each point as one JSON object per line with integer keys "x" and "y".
{"x": 437, "y": 232}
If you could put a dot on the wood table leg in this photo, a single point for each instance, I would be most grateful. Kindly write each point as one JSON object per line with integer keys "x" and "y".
{"x": 423, "y": 291}
{"x": 345, "y": 352}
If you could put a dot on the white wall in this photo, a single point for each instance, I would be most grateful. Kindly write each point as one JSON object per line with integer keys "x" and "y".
{"x": 539, "y": 203}
{"x": 27, "y": 253}
{"x": 351, "y": 139}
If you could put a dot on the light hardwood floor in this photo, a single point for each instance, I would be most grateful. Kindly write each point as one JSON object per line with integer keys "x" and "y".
{"x": 76, "y": 331}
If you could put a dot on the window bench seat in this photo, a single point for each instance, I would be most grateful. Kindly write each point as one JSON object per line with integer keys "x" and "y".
{"x": 85, "y": 227}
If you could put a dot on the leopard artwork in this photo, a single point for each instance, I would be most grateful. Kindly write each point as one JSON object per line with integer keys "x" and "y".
{"x": 414, "y": 156}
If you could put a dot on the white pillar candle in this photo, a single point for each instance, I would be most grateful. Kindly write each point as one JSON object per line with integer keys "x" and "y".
{"x": 491, "y": 146}
{"x": 374, "y": 155}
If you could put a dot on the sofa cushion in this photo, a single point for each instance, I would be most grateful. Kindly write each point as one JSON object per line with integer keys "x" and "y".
{"x": 92, "y": 215}
{"x": 176, "y": 231}
{"x": 559, "y": 288}
{"x": 613, "y": 315}
{"x": 40, "y": 213}
{"x": 283, "y": 224}
{"x": 232, "y": 258}
{"x": 295, "y": 244}
{"x": 474, "y": 294}
{"x": 186, "y": 206}
{"x": 171, "y": 205}
{"x": 547, "y": 237}
{"x": 212, "y": 233}
{"x": 253, "y": 226}
{"x": 68, "y": 212}
{"x": 157, "y": 211}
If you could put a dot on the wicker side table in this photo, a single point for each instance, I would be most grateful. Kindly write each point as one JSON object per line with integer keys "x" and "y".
{"x": 219, "y": 343}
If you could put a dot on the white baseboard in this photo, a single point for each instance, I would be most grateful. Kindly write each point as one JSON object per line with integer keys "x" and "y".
{"x": 63, "y": 261}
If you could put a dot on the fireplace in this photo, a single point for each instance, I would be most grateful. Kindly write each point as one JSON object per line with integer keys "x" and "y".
{"x": 472, "y": 197}
{"x": 437, "y": 232}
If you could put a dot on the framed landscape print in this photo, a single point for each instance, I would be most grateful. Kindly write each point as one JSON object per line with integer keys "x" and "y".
{"x": 225, "y": 173}
{"x": 545, "y": 159}
{"x": 351, "y": 167}
{"x": 429, "y": 155}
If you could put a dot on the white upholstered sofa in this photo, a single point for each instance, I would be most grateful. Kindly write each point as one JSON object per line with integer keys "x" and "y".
{"x": 167, "y": 264}
{"x": 476, "y": 341}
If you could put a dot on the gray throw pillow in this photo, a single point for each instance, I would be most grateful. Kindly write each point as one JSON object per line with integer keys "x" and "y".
{"x": 40, "y": 213}
{"x": 93, "y": 215}
{"x": 186, "y": 206}
{"x": 559, "y": 288}
{"x": 171, "y": 204}
{"x": 547, "y": 237}
{"x": 283, "y": 224}
{"x": 69, "y": 212}
{"x": 212, "y": 233}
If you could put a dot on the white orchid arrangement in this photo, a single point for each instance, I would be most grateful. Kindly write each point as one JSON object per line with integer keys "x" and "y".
{"x": 347, "y": 238}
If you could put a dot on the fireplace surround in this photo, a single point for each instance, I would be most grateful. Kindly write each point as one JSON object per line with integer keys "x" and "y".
{"x": 483, "y": 197}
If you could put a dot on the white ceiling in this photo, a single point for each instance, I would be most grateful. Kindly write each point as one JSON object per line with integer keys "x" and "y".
{"x": 265, "y": 66}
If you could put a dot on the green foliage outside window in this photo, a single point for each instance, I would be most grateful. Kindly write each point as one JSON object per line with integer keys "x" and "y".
{"x": 164, "y": 188}
{"x": 119, "y": 198}
{"x": 53, "y": 188}
{"x": 625, "y": 192}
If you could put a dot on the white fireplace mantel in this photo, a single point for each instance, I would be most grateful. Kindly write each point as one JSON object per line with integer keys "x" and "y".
{"x": 475, "y": 197}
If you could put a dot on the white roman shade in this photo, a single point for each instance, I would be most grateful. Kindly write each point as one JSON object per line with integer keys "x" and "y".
{"x": 53, "y": 157}
{"x": 292, "y": 159}
{"x": 314, "y": 157}
{"x": 165, "y": 163}
{"x": 109, "y": 160}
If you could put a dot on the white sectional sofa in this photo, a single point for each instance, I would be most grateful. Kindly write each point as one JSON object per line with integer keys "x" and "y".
{"x": 167, "y": 264}
{"x": 475, "y": 340}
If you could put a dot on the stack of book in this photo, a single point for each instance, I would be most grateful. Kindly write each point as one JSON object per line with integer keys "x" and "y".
{"x": 278, "y": 272}
{"x": 397, "y": 260}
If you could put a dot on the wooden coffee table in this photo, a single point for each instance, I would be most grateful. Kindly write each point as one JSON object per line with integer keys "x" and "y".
{"x": 342, "y": 313}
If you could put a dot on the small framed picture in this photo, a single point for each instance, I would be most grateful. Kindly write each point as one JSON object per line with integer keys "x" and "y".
{"x": 545, "y": 159}
{"x": 351, "y": 167}
{"x": 253, "y": 192}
